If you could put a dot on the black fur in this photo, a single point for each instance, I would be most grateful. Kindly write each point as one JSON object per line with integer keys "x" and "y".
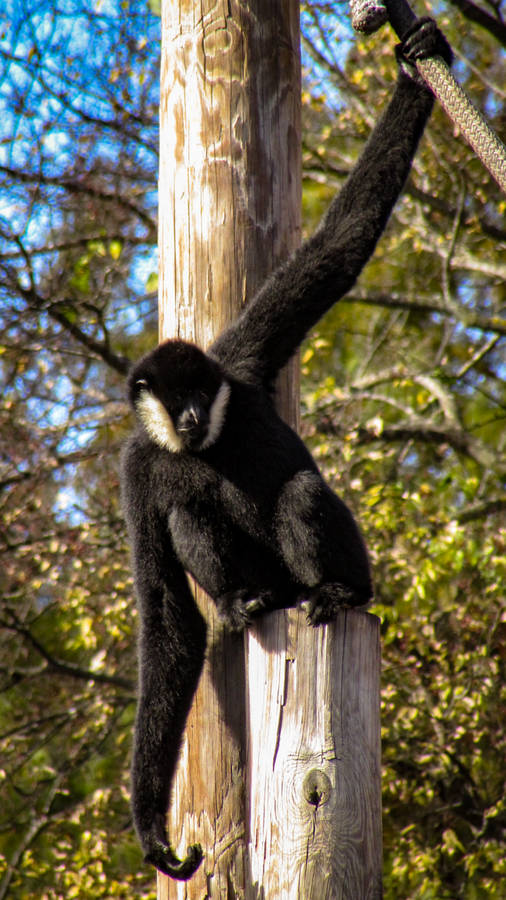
{"x": 249, "y": 516}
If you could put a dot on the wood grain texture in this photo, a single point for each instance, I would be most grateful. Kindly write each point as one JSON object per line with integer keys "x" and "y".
{"x": 209, "y": 796}
{"x": 230, "y": 157}
{"x": 229, "y": 212}
{"x": 314, "y": 758}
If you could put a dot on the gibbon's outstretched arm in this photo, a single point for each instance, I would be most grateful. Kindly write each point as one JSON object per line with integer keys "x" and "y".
{"x": 172, "y": 645}
{"x": 295, "y": 297}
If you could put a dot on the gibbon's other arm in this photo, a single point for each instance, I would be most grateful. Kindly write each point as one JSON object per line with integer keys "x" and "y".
{"x": 171, "y": 655}
{"x": 295, "y": 297}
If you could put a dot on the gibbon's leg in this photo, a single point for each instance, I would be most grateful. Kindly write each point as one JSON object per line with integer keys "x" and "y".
{"x": 241, "y": 588}
{"x": 322, "y": 547}
{"x": 196, "y": 546}
{"x": 297, "y": 527}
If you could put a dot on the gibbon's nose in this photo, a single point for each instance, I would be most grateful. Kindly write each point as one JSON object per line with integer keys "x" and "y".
{"x": 188, "y": 420}
{"x": 192, "y": 421}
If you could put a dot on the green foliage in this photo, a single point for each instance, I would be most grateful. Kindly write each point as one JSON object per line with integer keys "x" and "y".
{"x": 404, "y": 408}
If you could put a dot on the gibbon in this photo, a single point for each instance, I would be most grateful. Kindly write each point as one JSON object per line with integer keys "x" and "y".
{"x": 217, "y": 485}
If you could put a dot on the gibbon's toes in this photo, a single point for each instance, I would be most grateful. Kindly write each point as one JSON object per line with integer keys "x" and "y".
{"x": 239, "y": 617}
{"x": 325, "y": 602}
{"x": 238, "y": 611}
{"x": 162, "y": 857}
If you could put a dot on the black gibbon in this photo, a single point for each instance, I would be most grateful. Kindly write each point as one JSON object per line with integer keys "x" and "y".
{"x": 217, "y": 485}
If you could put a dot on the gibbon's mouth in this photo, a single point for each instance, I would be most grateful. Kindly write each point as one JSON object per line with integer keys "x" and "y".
{"x": 193, "y": 425}
{"x": 193, "y": 436}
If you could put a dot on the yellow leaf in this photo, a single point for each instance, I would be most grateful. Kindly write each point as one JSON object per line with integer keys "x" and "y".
{"x": 115, "y": 248}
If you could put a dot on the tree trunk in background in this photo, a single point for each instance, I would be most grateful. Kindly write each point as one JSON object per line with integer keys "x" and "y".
{"x": 280, "y": 767}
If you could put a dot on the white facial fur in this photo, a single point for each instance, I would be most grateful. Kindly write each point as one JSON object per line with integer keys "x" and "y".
{"x": 217, "y": 415}
{"x": 160, "y": 426}
{"x": 157, "y": 422}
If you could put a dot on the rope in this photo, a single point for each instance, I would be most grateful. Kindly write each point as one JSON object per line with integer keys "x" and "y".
{"x": 368, "y": 15}
{"x": 456, "y": 103}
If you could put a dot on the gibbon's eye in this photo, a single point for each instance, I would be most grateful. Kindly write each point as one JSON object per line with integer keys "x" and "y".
{"x": 141, "y": 383}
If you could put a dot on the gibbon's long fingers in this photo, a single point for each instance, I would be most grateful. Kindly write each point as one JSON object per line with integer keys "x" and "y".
{"x": 163, "y": 858}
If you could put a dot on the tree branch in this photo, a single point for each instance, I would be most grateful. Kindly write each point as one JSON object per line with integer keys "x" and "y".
{"x": 76, "y": 244}
{"x": 424, "y": 432}
{"x": 63, "y": 668}
{"x": 49, "y": 464}
{"x": 77, "y": 187}
{"x": 120, "y": 363}
{"x": 448, "y": 210}
{"x": 323, "y": 169}
{"x": 396, "y": 301}
{"x": 101, "y": 348}
{"x": 482, "y": 510}
{"x": 480, "y": 17}
{"x": 38, "y": 823}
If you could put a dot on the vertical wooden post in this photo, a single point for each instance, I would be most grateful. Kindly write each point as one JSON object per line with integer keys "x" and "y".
{"x": 229, "y": 212}
{"x": 315, "y": 758}
{"x": 300, "y": 817}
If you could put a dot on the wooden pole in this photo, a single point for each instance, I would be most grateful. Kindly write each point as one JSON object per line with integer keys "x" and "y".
{"x": 279, "y": 771}
{"x": 315, "y": 758}
{"x": 229, "y": 212}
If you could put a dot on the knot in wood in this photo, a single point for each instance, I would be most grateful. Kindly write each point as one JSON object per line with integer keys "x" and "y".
{"x": 316, "y": 787}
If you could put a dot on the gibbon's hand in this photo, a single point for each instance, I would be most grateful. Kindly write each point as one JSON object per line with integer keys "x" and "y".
{"x": 422, "y": 41}
{"x": 162, "y": 857}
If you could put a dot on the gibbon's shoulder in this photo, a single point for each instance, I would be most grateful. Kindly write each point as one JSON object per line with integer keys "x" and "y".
{"x": 154, "y": 476}
{"x": 143, "y": 465}
{"x": 137, "y": 454}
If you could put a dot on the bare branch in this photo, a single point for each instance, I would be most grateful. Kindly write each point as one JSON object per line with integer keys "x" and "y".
{"x": 482, "y": 510}
{"x": 81, "y": 187}
{"x": 57, "y": 666}
{"x": 396, "y": 301}
{"x": 55, "y": 310}
{"x": 425, "y": 432}
{"x": 479, "y": 16}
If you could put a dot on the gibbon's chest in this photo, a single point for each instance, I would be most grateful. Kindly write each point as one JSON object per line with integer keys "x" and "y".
{"x": 246, "y": 468}
{"x": 231, "y": 483}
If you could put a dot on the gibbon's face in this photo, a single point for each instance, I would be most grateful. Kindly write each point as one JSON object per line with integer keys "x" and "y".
{"x": 180, "y": 396}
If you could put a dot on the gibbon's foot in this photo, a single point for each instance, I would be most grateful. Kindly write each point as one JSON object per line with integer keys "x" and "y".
{"x": 162, "y": 857}
{"x": 237, "y": 609}
{"x": 325, "y": 602}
